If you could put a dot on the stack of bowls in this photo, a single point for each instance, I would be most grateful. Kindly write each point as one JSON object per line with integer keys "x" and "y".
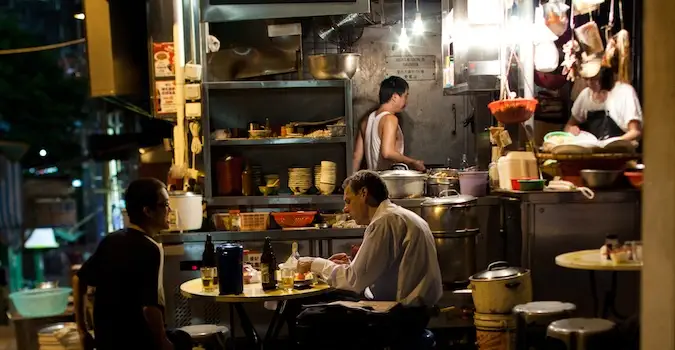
{"x": 327, "y": 177}
{"x": 317, "y": 176}
{"x": 299, "y": 180}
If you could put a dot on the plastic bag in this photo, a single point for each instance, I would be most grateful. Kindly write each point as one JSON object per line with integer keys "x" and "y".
{"x": 555, "y": 16}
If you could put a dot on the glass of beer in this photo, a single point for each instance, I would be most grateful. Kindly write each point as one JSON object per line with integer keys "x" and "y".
{"x": 209, "y": 279}
{"x": 287, "y": 278}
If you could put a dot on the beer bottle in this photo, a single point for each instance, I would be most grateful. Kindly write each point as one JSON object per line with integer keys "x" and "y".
{"x": 268, "y": 266}
{"x": 208, "y": 270}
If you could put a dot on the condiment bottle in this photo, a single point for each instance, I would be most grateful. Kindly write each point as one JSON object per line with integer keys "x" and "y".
{"x": 247, "y": 181}
{"x": 236, "y": 220}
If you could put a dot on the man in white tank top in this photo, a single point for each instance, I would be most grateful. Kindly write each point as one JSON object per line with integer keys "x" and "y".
{"x": 380, "y": 137}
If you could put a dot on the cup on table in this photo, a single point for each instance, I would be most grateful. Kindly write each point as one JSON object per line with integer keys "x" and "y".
{"x": 209, "y": 277}
{"x": 635, "y": 250}
{"x": 286, "y": 280}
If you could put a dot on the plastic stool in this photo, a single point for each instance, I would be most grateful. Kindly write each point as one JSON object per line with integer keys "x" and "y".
{"x": 532, "y": 320}
{"x": 207, "y": 336}
{"x": 580, "y": 334}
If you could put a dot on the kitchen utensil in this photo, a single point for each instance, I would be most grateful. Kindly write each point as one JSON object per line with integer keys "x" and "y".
{"x": 531, "y": 185}
{"x": 41, "y": 302}
{"x": 635, "y": 178}
{"x": 500, "y": 288}
{"x": 453, "y": 221}
{"x": 333, "y": 65}
{"x": 473, "y": 183}
{"x": 598, "y": 179}
{"x": 186, "y": 211}
{"x": 513, "y": 111}
{"x": 404, "y": 183}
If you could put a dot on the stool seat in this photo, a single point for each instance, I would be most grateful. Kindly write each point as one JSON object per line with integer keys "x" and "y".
{"x": 208, "y": 335}
{"x": 581, "y": 333}
{"x": 532, "y": 320}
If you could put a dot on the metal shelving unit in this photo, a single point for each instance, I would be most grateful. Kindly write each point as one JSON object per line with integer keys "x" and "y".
{"x": 276, "y": 84}
{"x": 259, "y": 88}
{"x": 276, "y": 200}
{"x": 278, "y": 141}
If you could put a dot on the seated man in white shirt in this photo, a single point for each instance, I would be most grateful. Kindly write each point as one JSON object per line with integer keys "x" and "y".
{"x": 397, "y": 260}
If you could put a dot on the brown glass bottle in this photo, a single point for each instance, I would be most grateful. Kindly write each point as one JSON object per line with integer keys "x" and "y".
{"x": 247, "y": 181}
{"x": 268, "y": 266}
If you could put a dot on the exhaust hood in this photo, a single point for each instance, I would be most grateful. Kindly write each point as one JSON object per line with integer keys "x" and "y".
{"x": 240, "y": 10}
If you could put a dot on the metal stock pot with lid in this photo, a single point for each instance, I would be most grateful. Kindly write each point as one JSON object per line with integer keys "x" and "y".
{"x": 500, "y": 288}
{"x": 404, "y": 183}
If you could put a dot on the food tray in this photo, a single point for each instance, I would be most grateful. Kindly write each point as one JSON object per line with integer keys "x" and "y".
{"x": 254, "y": 221}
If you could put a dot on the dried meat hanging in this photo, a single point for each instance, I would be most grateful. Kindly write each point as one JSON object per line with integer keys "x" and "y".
{"x": 617, "y": 52}
{"x": 509, "y": 109}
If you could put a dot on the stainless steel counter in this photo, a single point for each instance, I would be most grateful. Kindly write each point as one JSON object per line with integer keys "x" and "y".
{"x": 538, "y": 226}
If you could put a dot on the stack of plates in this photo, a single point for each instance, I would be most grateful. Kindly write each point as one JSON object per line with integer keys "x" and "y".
{"x": 317, "y": 176}
{"x": 299, "y": 180}
{"x": 60, "y": 336}
{"x": 327, "y": 177}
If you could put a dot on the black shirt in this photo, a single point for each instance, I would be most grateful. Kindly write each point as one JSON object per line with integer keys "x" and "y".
{"x": 126, "y": 272}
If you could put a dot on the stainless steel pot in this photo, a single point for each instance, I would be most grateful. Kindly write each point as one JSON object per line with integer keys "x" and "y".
{"x": 500, "y": 288}
{"x": 333, "y": 65}
{"x": 454, "y": 223}
{"x": 404, "y": 183}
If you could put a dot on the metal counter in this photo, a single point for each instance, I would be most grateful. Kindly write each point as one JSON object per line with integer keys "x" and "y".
{"x": 538, "y": 226}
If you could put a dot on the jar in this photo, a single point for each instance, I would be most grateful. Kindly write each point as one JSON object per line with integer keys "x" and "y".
{"x": 236, "y": 220}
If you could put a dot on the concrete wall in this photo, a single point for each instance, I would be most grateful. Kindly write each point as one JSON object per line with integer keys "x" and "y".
{"x": 427, "y": 122}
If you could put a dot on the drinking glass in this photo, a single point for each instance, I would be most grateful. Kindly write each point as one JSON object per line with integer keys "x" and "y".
{"x": 209, "y": 279}
{"x": 287, "y": 278}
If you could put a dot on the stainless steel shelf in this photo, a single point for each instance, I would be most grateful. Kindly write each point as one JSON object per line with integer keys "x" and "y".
{"x": 274, "y": 84}
{"x": 463, "y": 89}
{"x": 275, "y": 200}
{"x": 278, "y": 141}
{"x": 276, "y": 235}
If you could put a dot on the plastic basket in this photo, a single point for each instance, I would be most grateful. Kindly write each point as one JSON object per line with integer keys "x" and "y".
{"x": 254, "y": 221}
{"x": 513, "y": 111}
{"x": 41, "y": 302}
{"x": 294, "y": 219}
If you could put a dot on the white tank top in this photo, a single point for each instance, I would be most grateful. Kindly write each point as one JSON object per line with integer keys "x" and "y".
{"x": 373, "y": 143}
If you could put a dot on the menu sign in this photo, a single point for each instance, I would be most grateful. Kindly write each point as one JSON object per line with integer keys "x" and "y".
{"x": 411, "y": 67}
{"x": 163, "y": 60}
{"x": 165, "y": 97}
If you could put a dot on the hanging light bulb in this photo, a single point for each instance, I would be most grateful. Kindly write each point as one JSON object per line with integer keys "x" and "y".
{"x": 418, "y": 25}
{"x": 403, "y": 40}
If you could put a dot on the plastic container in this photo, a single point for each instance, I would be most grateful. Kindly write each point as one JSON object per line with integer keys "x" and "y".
{"x": 495, "y": 331}
{"x": 473, "y": 183}
{"x": 41, "y": 302}
{"x": 531, "y": 185}
{"x": 516, "y": 165}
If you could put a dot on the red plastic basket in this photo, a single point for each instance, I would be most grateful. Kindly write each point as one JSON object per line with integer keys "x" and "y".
{"x": 294, "y": 219}
{"x": 513, "y": 111}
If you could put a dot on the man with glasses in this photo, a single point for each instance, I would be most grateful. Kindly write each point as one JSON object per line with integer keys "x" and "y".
{"x": 126, "y": 270}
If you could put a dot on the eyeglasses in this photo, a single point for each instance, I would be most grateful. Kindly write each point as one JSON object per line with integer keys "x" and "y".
{"x": 164, "y": 204}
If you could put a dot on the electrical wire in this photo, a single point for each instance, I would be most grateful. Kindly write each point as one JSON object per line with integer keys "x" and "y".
{"x": 42, "y": 48}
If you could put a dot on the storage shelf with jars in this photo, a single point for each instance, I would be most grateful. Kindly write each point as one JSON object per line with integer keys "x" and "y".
{"x": 268, "y": 141}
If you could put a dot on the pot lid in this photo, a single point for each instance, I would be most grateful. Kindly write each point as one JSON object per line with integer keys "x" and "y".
{"x": 456, "y": 199}
{"x": 499, "y": 270}
{"x": 402, "y": 174}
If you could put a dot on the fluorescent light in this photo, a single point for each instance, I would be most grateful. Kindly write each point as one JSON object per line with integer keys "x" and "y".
{"x": 79, "y": 16}
{"x": 418, "y": 24}
{"x": 403, "y": 40}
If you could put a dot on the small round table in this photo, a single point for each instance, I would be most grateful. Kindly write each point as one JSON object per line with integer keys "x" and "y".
{"x": 591, "y": 261}
{"x": 253, "y": 293}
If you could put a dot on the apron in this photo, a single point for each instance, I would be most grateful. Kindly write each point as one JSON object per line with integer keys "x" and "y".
{"x": 601, "y": 125}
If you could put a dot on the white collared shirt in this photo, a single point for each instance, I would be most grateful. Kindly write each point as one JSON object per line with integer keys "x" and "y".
{"x": 397, "y": 260}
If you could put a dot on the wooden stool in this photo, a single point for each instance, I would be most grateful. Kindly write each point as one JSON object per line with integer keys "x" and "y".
{"x": 533, "y": 318}
{"x": 207, "y": 336}
{"x": 580, "y": 334}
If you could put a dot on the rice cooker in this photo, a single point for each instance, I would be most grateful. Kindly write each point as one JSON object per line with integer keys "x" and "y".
{"x": 186, "y": 211}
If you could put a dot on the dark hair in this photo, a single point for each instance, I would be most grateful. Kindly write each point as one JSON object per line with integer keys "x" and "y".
{"x": 372, "y": 182}
{"x": 607, "y": 78}
{"x": 390, "y": 86}
{"x": 141, "y": 193}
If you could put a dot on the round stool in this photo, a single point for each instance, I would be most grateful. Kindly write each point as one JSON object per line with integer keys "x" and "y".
{"x": 533, "y": 318}
{"x": 580, "y": 334}
{"x": 207, "y": 336}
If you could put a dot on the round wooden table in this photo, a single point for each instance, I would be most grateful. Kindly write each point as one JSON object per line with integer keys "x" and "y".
{"x": 591, "y": 261}
{"x": 286, "y": 310}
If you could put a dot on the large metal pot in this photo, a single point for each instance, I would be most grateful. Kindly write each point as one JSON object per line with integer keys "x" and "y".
{"x": 333, "y": 65}
{"x": 454, "y": 224}
{"x": 404, "y": 183}
{"x": 442, "y": 179}
{"x": 500, "y": 288}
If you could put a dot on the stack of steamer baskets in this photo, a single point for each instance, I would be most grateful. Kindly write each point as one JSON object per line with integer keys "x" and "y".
{"x": 496, "y": 291}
